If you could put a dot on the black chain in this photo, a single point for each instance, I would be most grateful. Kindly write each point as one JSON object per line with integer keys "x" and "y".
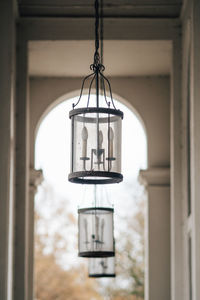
{"x": 101, "y": 30}
{"x": 96, "y": 54}
{"x": 102, "y": 85}
{"x": 97, "y": 65}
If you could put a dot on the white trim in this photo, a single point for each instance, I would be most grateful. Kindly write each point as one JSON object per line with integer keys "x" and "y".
{"x": 155, "y": 177}
{"x": 195, "y": 144}
{"x": 186, "y": 168}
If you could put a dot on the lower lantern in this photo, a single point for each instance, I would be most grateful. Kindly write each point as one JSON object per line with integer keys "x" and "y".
{"x": 96, "y": 237}
{"x": 101, "y": 267}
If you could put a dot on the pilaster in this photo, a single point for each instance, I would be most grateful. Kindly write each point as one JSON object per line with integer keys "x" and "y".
{"x": 22, "y": 210}
{"x": 157, "y": 182}
{"x": 35, "y": 179}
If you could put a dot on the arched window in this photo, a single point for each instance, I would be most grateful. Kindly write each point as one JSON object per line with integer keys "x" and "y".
{"x": 58, "y": 270}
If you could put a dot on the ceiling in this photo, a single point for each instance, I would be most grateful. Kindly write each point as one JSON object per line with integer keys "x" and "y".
{"x": 121, "y": 58}
{"x": 112, "y": 8}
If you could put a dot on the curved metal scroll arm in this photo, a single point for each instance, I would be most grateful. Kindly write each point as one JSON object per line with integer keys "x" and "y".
{"x": 97, "y": 69}
{"x": 108, "y": 82}
{"x": 104, "y": 92}
{"x": 88, "y": 76}
{"x": 89, "y": 91}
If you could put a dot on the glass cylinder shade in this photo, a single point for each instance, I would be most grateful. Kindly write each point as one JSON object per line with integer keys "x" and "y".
{"x": 96, "y": 237}
{"x": 101, "y": 267}
{"x": 96, "y": 145}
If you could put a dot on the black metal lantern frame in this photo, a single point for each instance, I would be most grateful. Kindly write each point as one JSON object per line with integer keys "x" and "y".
{"x": 96, "y": 131}
{"x": 101, "y": 267}
{"x": 96, "y": 232}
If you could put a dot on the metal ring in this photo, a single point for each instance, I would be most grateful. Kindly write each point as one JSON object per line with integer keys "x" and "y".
{"x": 79, "y": 177}
{"x": 101, "y": 275}
{"x": 85, "y": 110}
{"x": 96, "y": 254}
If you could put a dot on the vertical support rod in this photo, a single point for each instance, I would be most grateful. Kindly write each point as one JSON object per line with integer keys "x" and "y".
{"x": 97, "y": 104}
{"x": 97, "y": 87}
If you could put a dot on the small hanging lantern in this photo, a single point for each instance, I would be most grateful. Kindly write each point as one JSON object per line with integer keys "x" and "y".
{"x": 101, "y": 267}
{"x": 96, "y": 227}
{"x": 96, "y": 232}
{"x": 96, "y": 131}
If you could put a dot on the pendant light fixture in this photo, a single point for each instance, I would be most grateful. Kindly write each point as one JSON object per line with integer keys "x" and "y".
{"x": 96, "y": 228}
{"x": 96, "y": 130}
{"x": 101, "y": 267}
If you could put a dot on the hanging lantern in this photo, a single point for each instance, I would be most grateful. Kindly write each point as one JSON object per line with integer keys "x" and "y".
{"x": 96, "y": 226}
{"x": 96, "y": 237}
{"x": 101, "y": 267}
{"x": 96, "y": 130}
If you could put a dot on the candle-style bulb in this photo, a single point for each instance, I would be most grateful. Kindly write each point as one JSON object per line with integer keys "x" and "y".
{"x": 97, "y": 228}
{"x": 84, "y": 136}
{"x": 104, "y": 264}
{"x": 102, "y": 229}
{"x": 110, "y": 141}
{"x": 86, "y": 231}
{"x": 100, "y": 139}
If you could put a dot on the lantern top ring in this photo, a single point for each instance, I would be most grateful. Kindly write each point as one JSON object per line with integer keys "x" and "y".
{"x": 112, "y": 111}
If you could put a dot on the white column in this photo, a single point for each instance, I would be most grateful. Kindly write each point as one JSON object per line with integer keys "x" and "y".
{"x": 7, "y": 90}
{"x": 195, "y": 149}
{"x": 157, "y": 182}
{"x": 22, "y": 213}
{"x": 36, "y": 178}
{"x": 177, "y": 253}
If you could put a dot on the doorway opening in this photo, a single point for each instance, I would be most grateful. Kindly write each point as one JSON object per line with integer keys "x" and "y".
{"x": 59, "y": 272}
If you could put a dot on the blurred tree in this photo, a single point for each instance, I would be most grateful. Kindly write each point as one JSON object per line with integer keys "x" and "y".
{"x": 56, "y": 235}
{"x": 53, "y": 279}
{"x": 129, "y": 282}
{"x": 131, "y": 258}
{"x": 54, "y": 283}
